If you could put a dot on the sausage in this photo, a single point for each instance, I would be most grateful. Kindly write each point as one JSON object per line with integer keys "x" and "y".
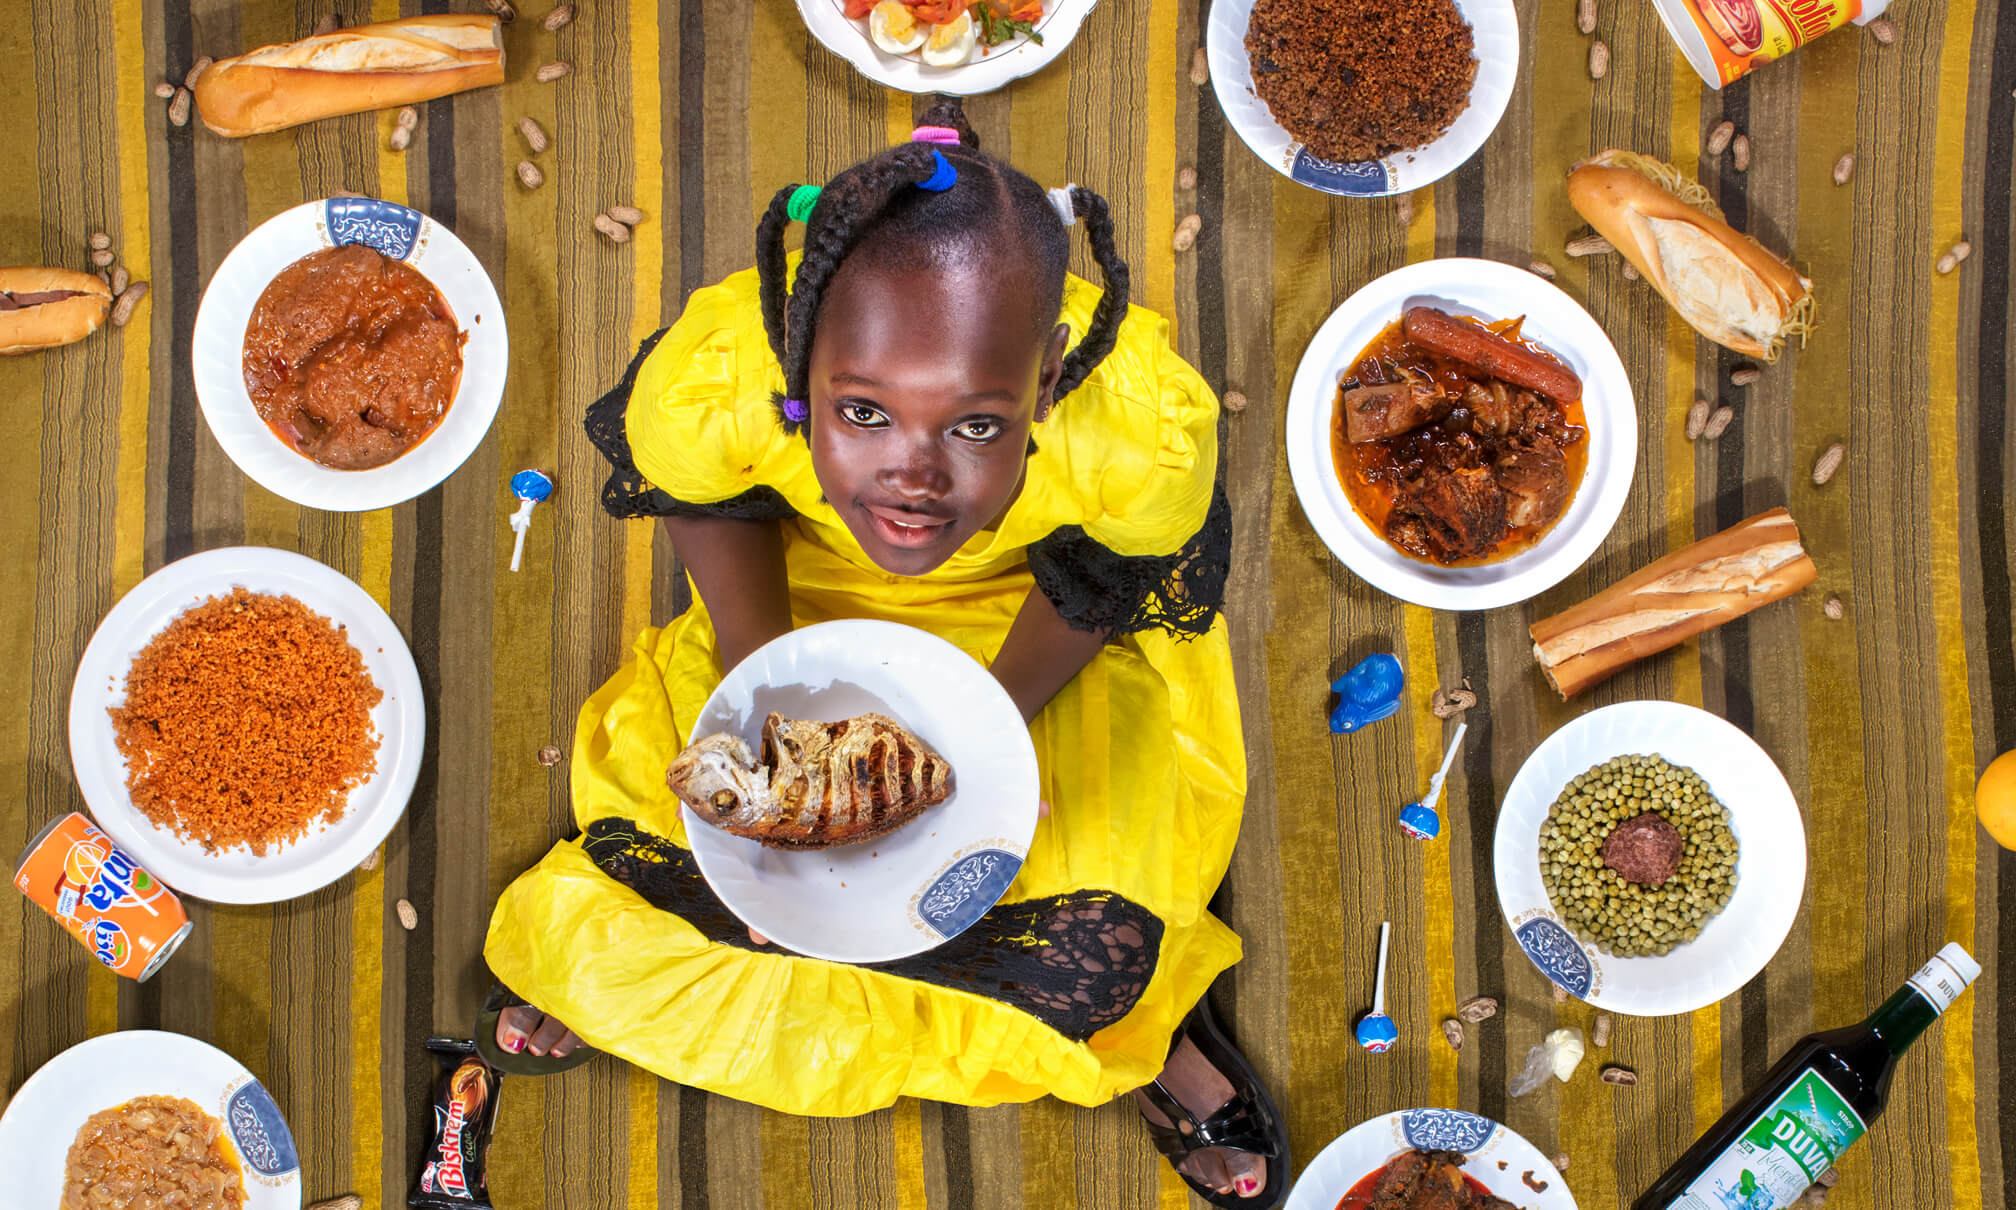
{"x": 1440, "y": 332}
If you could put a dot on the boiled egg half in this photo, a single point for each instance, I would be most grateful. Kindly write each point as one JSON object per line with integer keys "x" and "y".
{"x": 895, "y": 28}
{"x": 951, "y": 44}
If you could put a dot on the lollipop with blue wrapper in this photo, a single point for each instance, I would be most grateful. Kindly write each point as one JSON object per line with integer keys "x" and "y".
{"x": 1376, "y": 1031}
{"x": 1418, "y": 819}
{"x": 530, "y": 487}
{"x": 1369, "y": 692}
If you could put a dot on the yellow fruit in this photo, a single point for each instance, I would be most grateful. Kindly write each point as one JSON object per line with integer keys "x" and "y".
{"x": 1995, "y": 799}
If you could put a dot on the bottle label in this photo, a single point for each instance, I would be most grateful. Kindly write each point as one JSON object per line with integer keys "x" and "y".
{"x": 1781, "y": 1154}
{"x": 1939, "y": 983}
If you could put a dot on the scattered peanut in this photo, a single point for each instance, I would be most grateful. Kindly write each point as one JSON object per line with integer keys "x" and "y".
{"x": 1186, "y": 232}
{"x": 122, "y": 310}
{"x": 1448, "y": 703}
{"x": 370, "y": 862}
{"x": 617, "y": 232}
{"x": 1743, "y": 376}
{"x": 1833, "y": 608}
{"x": 529, "y": 174}
{"x": 1560, "y": 1161}
{"x": 1718, "y": 138}
{"x": 1599, "y": 1033}
{"x": 402, "y": 138}
{"x": 1560, "y": 994}
{"x": 1477, "y": 1009}
{"x": 534, "y": 135}
{"x": 118, "y": 280}
{"x": 558, "y": 17}
{"x": 103, "y": 276}
{"x": 100, "y": 241}
{"x": 1599, "y": 59}
{"x": 1697, "y": 418}
{"x": 348, "y": 1201}
{"x": 1844, "y": 168}
{"x": 1186, "y": 178}
{"x": 103, "y": 258}
{"x": 1739, "y": 153}
{"x": 1585, "y": 16}
{"x": 1961, "y": 251}
{"x": 1829, "y": 461}
{"x": 504, "y": 9}
{"x": 551, "y": 72}
{"x": 1946, "y": 264}
{"x": 1815, "y": 1195}
{"x": 409, "y": 916}
{"x": 1403, "y": 209}
{"x": 1719, "y": 423}
{"x": 408, "y": 118}
{"x": 178, "y": 109}
{"x": 1200, "y": 67}
{"x": 1235, "y": 401}
{"x": 1630, "y": 271}
{"x": 1619, "y": 1075}
{"x": 1589, "y": 245}
{"x": 164, "y": 90}
{"x": 629, "y": 216}
{"x": 1828, "y": 1179}
{"x": 1452, "y": 1029}
{"x": 196, "y": 69}
{"x": 549, "y": 756}
{"x": 1542, "y": 269}
{"x": 328, "y": 24}
{"x": 1883, "y": 30}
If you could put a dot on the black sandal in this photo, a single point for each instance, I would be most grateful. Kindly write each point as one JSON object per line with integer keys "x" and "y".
{"x": 1248, "y": 1122}
{"x": 525, "y": 1063}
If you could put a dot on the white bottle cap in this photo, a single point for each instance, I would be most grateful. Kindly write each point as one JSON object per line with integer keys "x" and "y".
{"x": 1961, "y": 961}
{"x": 1942, "y": 980}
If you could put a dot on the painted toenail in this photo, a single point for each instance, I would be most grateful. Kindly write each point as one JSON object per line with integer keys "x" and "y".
{"x": 515, "y": 1045}
{"x": 1248, "y": 1186}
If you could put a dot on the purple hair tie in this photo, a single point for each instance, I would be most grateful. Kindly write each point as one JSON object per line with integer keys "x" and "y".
{"x": 935, "y": 134}
{"x": 796, "y": 412}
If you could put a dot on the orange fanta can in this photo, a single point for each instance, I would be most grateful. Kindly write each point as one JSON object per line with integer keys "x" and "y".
{"x": 119, "y": 911}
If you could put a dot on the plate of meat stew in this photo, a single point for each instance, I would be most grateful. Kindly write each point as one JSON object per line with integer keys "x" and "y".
{"x": 1430, "y": 1159}
{"x": 1461, "y": 434}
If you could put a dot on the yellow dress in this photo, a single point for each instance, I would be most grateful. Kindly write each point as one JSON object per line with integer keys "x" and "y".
{"x": 1141, "y": 756}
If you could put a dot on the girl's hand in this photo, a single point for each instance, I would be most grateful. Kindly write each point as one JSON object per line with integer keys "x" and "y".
{"x": 756, "y": 938}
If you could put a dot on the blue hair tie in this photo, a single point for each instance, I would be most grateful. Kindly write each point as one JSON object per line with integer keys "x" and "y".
{"x": 943, "y": 174}
{"x": 796, "y": 412}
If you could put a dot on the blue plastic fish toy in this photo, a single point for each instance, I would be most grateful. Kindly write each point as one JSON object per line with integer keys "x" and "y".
{"x": 1369, "y": 692}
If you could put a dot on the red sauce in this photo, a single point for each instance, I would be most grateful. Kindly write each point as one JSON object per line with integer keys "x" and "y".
{"x": 1372, "y": 473}
{"x": 1360, "y": 1195}
{"x": 351, "y": 358}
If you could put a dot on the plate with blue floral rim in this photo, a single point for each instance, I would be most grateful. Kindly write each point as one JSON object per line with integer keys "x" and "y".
{"x": 103, "y": 1072}
{"x": 1499, "y": 1159}
{"x": 1494, "y": 27}
{"x": 1770, "y": 862}
{"x": 399, "y": 233}
{"x": 919, "y": 886}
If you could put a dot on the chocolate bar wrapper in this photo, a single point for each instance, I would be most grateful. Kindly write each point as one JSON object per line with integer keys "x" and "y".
{"x": 454, "y": 1174}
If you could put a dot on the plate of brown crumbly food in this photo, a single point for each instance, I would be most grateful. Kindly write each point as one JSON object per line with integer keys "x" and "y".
{"x": 248, "y": 724}
{"x": 1363, "y": 97}
{"x": 1430, "y": 1159}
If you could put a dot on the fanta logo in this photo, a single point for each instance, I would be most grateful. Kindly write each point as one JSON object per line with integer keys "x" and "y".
{"x": 114, "y": 882}
{"x": 109, "y": 942}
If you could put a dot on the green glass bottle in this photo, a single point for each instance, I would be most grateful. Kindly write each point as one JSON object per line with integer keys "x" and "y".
{"x": 1813, "y": 1104}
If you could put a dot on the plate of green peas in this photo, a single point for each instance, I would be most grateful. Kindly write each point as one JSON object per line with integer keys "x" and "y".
{"x": 1650, "y": 858}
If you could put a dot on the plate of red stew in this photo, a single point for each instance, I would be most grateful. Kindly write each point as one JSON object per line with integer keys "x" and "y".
{"x": 350, "y": 354}
{"x": 1461, "y": 434}
{"x": 1430, "y": 1159}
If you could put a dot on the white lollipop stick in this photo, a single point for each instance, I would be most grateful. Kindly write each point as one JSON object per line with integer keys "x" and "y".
{"x": 1434, "y": 793}
{"x": 1379, "y": 984}
{"x": 521, "y": 521}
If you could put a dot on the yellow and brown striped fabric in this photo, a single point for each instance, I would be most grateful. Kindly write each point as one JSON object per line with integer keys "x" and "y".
{"x": 696, "y": 112}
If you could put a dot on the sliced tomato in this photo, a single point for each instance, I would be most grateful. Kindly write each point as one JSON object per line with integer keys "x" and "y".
{"x": 1027, "y": 10}
{"x": 858, "y": 9}
{"x": 938, "y": 12}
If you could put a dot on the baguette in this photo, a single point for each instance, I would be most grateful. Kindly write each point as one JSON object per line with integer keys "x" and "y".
{"x": 366, "y": 67}
{"x": 1727, "y": 286}
{"x": 43, "y": 308}
{"x": 1696, "y": 588}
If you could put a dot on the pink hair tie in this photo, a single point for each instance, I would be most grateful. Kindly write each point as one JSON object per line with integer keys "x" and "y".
{"x": 935, "y": 134}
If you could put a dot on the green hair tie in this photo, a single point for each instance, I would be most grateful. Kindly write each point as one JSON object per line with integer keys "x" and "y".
{"x": 799, "y": 206}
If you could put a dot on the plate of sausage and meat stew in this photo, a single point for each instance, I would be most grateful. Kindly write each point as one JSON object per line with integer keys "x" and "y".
{"x": 1461, "y": 434}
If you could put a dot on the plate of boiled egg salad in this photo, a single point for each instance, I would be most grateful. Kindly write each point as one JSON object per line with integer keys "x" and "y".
{"x": 951, "y": 46}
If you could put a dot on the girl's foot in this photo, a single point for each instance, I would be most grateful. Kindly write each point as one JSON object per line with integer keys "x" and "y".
{"x": 1211, "y": 1116}
{"x": 523, "y": 1029}
{"x": 1203, "y": 1090}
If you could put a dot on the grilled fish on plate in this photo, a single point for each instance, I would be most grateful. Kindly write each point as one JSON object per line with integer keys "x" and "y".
{"x": 816, "y": 784}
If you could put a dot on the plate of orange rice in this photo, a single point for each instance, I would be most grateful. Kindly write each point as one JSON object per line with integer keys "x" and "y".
{"x": 248, "y": 724}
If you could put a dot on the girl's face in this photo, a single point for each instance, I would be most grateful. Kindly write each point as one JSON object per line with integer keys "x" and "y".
{"x": 925, "y": 384}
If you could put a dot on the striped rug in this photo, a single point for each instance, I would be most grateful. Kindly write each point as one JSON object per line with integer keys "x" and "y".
{"x": 696, "y": 112}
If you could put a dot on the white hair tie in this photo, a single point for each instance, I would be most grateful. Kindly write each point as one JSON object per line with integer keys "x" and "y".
{"x": 1067, "y": 209}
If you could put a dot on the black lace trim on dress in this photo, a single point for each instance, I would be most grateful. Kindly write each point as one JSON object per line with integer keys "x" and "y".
{"x": 1098, "y": 591}
{"x": 627, "y": 493}
{"x": 1076, "y": 962}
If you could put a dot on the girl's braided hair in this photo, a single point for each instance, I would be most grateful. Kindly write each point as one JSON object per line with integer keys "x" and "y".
{"x": 875, "y": 208}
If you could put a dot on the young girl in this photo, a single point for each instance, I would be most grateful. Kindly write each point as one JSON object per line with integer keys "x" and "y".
{"x": 927, "y": 420}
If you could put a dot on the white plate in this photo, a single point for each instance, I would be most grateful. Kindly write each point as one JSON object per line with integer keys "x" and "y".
{"x": 218, "y": 351}
{"x": 828, "y": 21}
{"x": 928, "y": 881}
{"x": 1770, "y": 862}
{"x": 1366, "y": 1148}
{"x": 326, "y": 852}
{"x": 1488, "y": 290}
{"x": 1494, "y": 28}
{"x": 43, "y": 1118}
